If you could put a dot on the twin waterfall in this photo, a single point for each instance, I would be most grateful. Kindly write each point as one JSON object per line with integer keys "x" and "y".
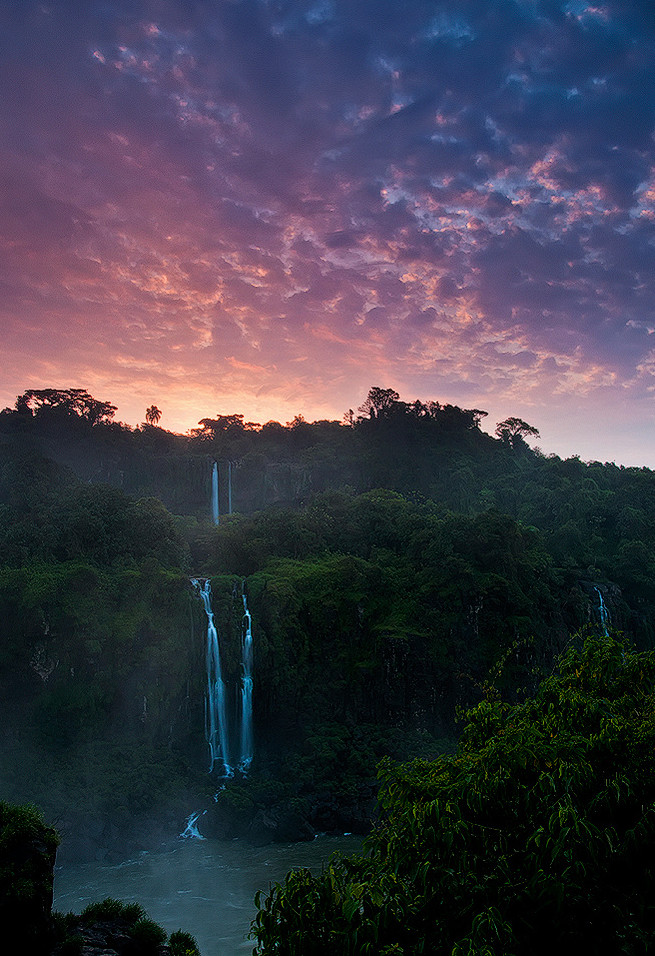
{"x": 232, "y": 749}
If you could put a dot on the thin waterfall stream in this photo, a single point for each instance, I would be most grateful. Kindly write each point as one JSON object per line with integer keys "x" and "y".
{"x": 214, "y": 498}
{"x": 603, "y": 612}
{"x": 246, "y": 685}
{"x": 216, "y": 727}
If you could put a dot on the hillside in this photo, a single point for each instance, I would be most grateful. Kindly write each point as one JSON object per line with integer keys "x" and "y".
{"x": 389, "y": 563}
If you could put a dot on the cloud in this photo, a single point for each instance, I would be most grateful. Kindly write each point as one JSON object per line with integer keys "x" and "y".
{"x": 462, "y": 200}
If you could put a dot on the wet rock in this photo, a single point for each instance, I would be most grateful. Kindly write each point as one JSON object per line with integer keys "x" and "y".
{"x": 279, "y": 825}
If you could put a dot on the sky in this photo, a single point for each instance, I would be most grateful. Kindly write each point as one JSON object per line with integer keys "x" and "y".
{"x": 268, "y": 206}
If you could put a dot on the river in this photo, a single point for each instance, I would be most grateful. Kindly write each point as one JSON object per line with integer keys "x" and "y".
{"x": 205, "y": 887}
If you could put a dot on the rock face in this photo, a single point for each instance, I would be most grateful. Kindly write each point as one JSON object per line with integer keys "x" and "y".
{"x": 279, "y": 825}
{"x": 27, "y": 858}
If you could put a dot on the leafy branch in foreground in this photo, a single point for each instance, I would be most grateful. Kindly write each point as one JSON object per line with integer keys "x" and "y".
{"x": 536, "y": 837}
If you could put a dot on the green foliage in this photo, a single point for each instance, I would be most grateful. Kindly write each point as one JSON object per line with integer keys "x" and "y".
{"x": 72, "y": 945}
{"x": 27, "y": 848}
{"x": 112, "y": 909}
{"x": 514, "y": 431}
{"x": 535, "y": 837}
{"x": 372, "y": 608}
{"x": 69, "y": 709}
{"x": 23, "y": 823}
{"x": 46, "y": 515}
{"x": 148, "y": 934}
{"x": 183, "y": 944}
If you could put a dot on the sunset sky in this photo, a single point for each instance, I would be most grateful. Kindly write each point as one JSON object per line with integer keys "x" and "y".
{"x": 268, "y": 206}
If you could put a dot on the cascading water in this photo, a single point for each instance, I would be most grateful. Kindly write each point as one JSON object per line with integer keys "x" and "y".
{"x": 602, "y": 610}
{"x": 216, "y": 731}
{"x": 246, "y": 687}
{"x": 216, "y": 718}
{"x": 191, "y": 831}
{"x": 229, "y": 487}
{"x": 215, "y": 513}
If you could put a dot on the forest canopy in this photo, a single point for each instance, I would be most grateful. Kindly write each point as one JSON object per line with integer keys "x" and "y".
{"x": 388, "y": 562}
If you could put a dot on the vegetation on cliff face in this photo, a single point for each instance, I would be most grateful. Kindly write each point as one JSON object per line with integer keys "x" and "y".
{"x": 96, "y": 651}
{"x": 535, "y": 837}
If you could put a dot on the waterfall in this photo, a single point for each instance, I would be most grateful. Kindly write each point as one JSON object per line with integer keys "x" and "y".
{"x": 215, "y": 514}
{"x": 229, "y": 487}
{"x": 191, "y": 830}
{"x": 246, "y": 686}
{"x": 604, "y": 613}
{"x": 222, "y": 743}
{"x": 215, "y": 709}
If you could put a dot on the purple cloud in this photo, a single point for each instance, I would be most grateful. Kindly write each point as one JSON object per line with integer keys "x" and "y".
{"x": 455, "y": 201}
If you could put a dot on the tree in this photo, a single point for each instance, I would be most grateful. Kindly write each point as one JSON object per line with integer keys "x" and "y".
{"x": 514, "y": 431}
{"x": 66, "y": 401}
{"x": 379, "y": 402}
{"x": 231, "y": 425}
{"x": 23, "y": 405}
{"x": 153, "y": 414}
{"x": 297, "y": 421}
{"x": 535, "y": 838}
{"x": 453, "y": 418}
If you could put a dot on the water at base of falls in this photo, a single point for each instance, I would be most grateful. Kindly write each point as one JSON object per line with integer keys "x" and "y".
{"x": 206, "y": 888}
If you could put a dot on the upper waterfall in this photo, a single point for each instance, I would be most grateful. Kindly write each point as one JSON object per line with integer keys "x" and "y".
{"x": 215, "y": 512}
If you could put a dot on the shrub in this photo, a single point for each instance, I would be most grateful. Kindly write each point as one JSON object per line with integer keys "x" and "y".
{"x": 148, "y": 933}
{"x": 535, "y": 838}
{"x": 111, "y": 909}
{"x": 183, "y": 944}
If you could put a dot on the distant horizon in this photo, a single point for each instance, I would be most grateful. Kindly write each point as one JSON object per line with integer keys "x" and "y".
{"x": 269, "y": 206}
{"x": 487, "y": 424}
